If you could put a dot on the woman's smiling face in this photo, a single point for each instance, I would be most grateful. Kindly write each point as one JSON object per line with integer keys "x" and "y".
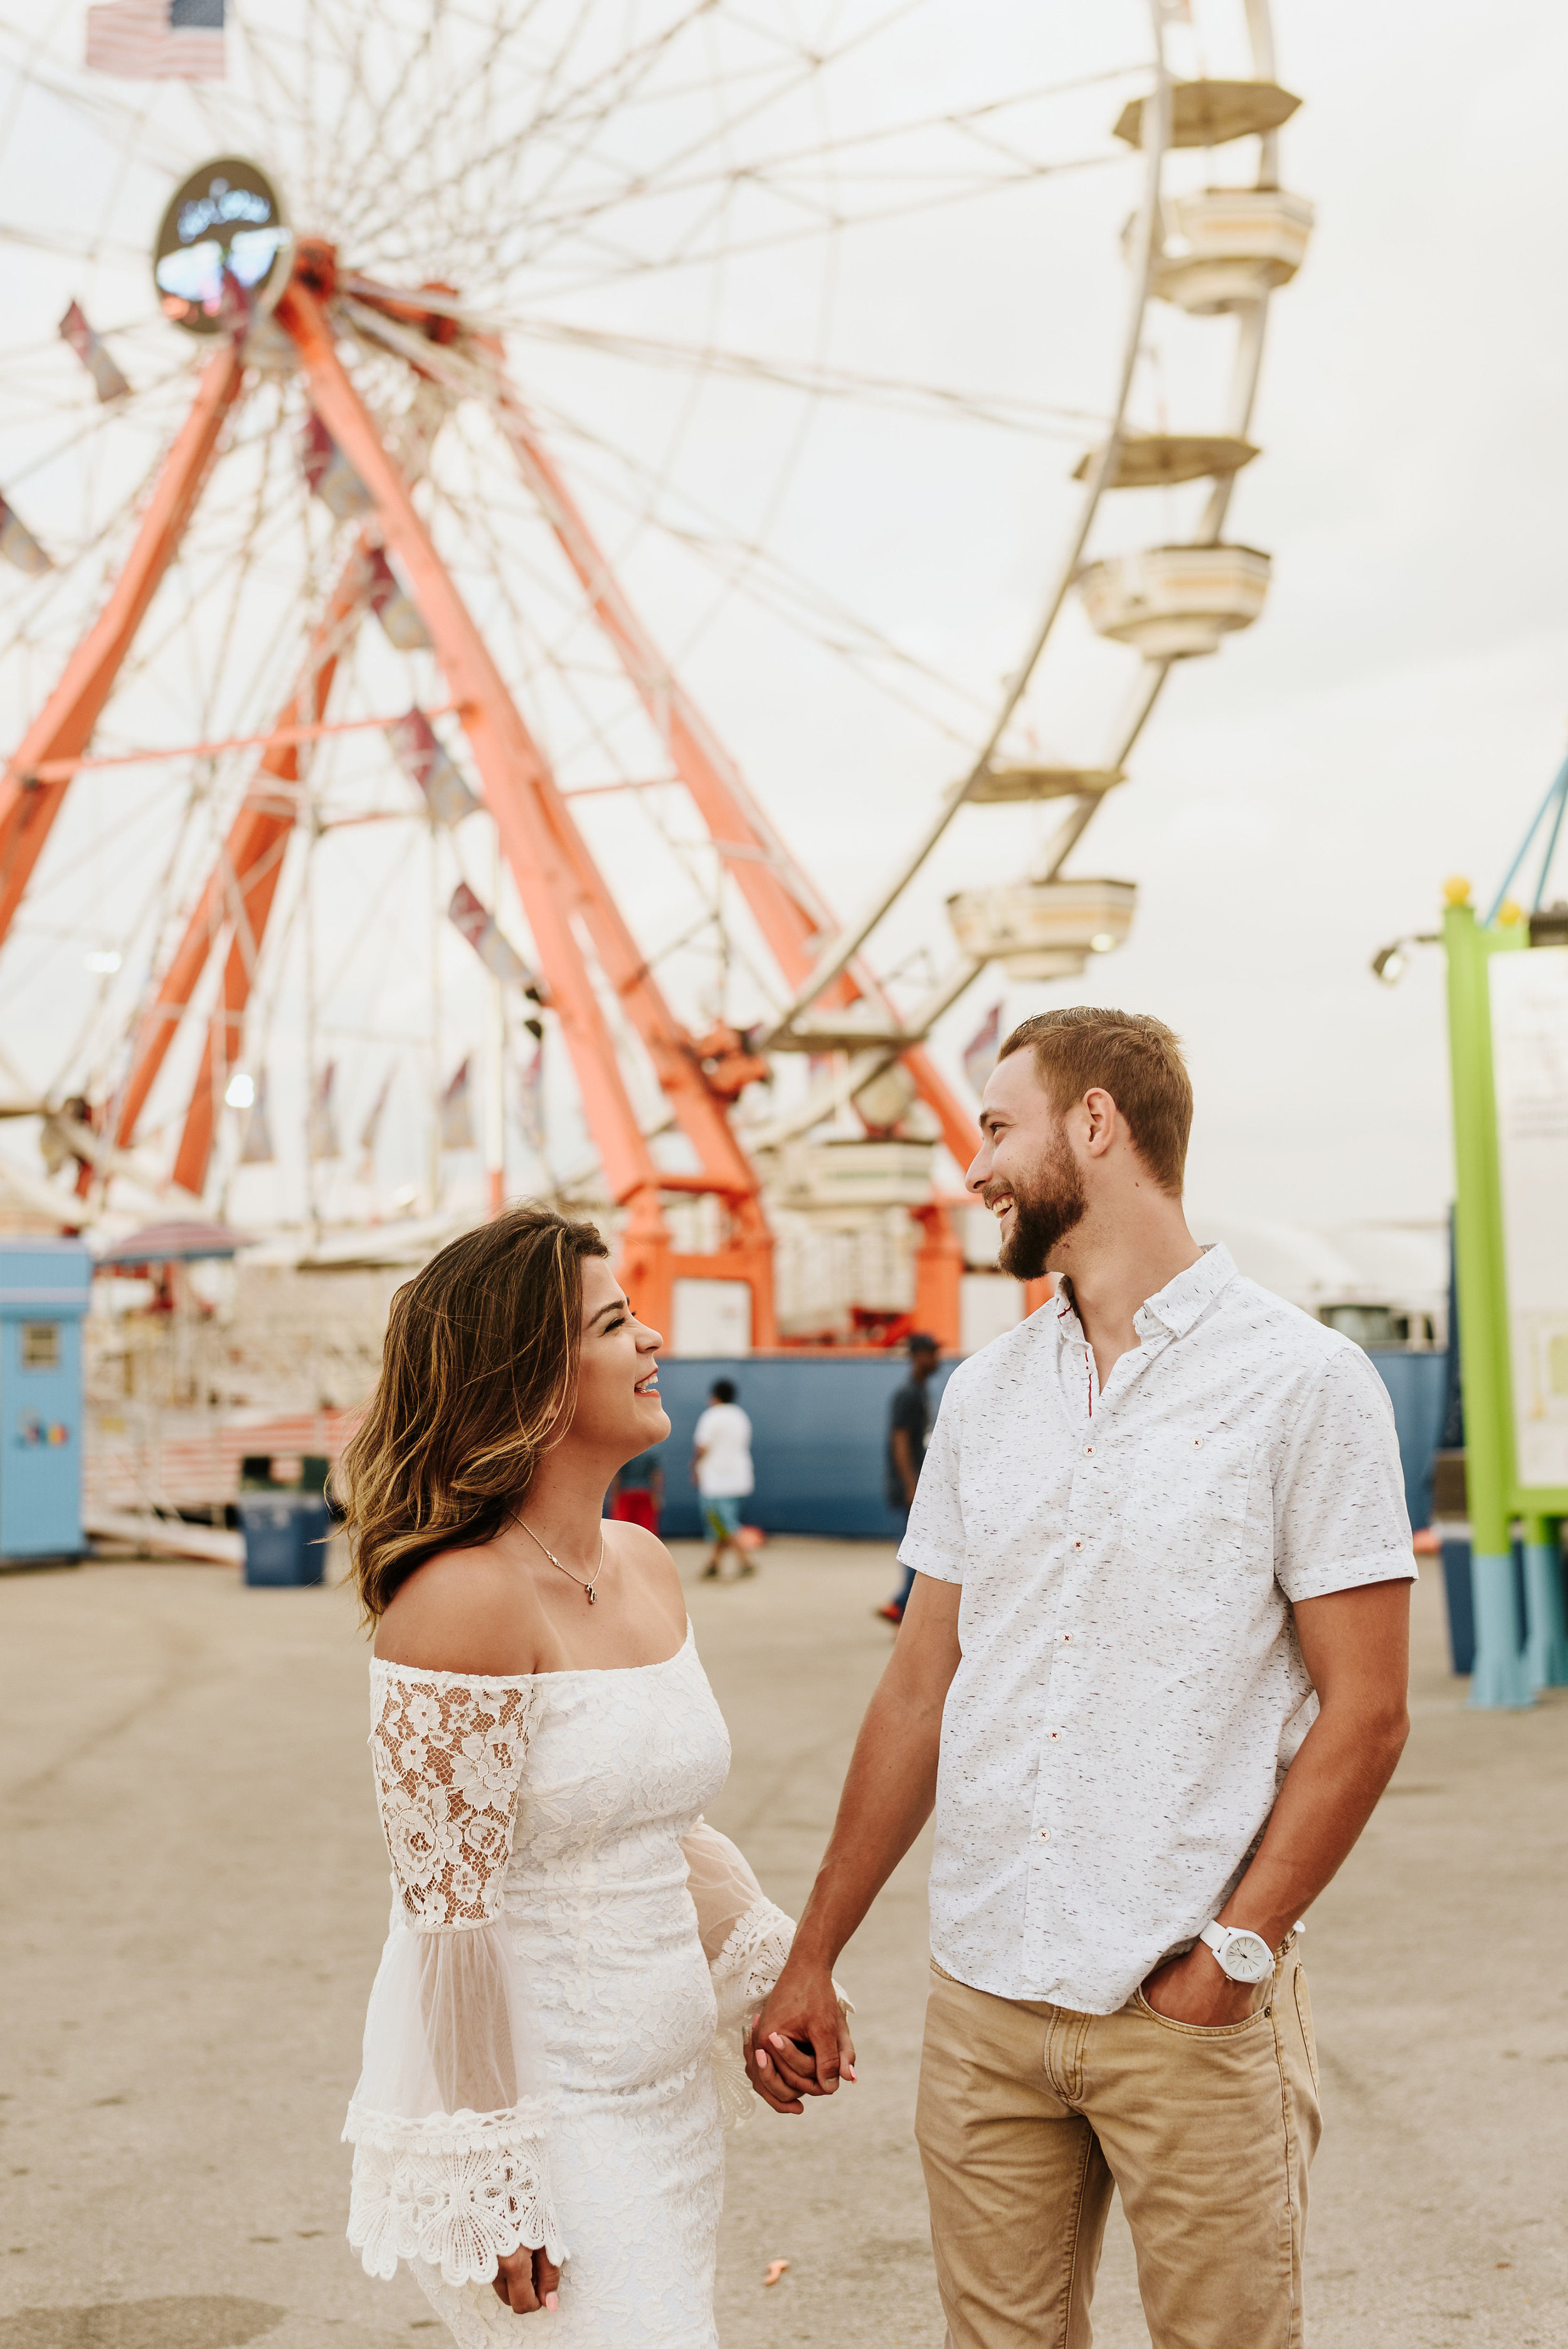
{"x": 618, "y": 1407}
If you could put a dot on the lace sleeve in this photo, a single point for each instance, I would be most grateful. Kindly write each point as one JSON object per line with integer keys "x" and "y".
{"x": 448, "y": 2120}
{"x": 746, "y": 1938}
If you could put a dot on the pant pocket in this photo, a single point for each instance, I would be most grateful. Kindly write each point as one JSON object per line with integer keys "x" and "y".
{"x": 1304, "y": 2016}
{"x": 1217, "y": 2030}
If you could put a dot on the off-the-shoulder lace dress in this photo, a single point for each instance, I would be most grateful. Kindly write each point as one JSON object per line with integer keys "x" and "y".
{"x": 553, "y": 2039}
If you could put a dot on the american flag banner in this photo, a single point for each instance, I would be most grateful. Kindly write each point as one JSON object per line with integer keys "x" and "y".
{"x": 980, "y": 1052}
{"x": 494, "y": 949}
{"x": 321, "y": 1130}
{"x": 425, "y": 762}
{"x": 456, "y": 1123}
{"x": 18, "y": 546}
{"x": 89, "y": 348}
{"x": 157, "y": 40}
{"x": 372, "y": 1125}
{"x": 256, "y": 1150}
{"x": 531, "y": 1100}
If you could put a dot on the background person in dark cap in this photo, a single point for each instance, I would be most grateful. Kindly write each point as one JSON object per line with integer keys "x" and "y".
{"x": 908, "y": 1433}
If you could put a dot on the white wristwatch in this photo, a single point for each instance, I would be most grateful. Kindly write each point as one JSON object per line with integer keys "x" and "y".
{"x": 1245, "y": 1957}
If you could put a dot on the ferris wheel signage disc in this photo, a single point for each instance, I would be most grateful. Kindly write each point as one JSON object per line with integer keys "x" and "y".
{"x": 223, "y": 250}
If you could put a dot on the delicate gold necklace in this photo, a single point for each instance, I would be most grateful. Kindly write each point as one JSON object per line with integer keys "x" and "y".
{"x": 566, "y": 1570}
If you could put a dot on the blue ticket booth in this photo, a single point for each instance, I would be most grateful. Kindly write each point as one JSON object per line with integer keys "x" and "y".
{"x": 44, "y": 1294}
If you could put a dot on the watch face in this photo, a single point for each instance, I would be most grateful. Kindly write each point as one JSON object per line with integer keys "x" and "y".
{"x": 1248, "y": 1958}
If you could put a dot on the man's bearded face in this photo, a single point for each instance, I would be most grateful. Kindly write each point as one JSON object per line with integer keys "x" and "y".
{"x": 1046, "y": 1207}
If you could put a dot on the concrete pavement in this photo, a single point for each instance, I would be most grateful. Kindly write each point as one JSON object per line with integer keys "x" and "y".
{"x": 194, "y": 1900}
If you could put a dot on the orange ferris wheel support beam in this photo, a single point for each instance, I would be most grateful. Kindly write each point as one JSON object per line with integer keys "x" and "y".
{"x": 239, "y": 892}
{"x": 62, "y": 730}
{"x": 531, "y": 819}
{"x": 788, "y": 910}
{"x": 792, "y": 916}
{"x": 255, "y": 879}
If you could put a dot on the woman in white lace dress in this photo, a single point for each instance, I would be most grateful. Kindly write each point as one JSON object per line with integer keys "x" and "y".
{"x": 573, "y": 1954}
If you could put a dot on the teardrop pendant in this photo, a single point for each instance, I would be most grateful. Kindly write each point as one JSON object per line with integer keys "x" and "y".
{"x": 592, "y": 1600}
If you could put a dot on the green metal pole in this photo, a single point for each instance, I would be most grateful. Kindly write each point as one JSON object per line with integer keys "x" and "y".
{"x": 1499, "y": 1677}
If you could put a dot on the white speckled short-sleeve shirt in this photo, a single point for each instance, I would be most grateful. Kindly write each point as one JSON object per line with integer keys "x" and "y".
{"x": 1132, "y": 1690}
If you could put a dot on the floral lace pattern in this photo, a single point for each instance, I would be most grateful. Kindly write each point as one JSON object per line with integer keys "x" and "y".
{"x": 448, "y": 1753}
{"x": 459, "y": 2210}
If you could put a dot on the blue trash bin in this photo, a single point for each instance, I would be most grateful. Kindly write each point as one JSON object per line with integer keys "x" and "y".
{"x": 286, "y": 1535}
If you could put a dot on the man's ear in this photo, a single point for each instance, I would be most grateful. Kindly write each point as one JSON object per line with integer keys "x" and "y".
{"x": 1100, "y": 1112}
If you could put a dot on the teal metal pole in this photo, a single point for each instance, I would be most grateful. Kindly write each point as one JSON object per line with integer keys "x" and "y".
{"x": 1499, "y": 1677}
{"x": 1546, "y": 1633}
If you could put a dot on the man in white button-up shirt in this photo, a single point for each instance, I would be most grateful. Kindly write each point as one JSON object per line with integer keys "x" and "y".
{"x": 1152, "y": 1677}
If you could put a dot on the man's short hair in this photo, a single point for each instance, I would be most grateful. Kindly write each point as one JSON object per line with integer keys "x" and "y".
{"x": 723, "y": 1391}
{"x": 921, "y": 1341}
{"x": 1136, "y": 1060}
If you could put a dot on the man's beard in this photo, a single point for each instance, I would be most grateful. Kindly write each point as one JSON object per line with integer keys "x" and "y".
{"x": 1042, "y": 1215}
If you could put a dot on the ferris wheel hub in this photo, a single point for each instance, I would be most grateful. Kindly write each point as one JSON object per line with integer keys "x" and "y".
{"x": 223, "y": 252}
{"x": 316, "y": 266}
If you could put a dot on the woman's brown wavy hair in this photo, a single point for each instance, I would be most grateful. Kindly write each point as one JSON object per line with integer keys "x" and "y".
{"x": 479, "y": 1375}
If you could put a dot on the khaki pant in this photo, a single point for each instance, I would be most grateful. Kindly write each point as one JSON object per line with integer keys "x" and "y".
{"x": 1030, "y": 2114}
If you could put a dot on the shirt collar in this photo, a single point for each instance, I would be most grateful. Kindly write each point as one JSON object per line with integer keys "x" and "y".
{"x": 1173, "y": 1308}
{"x": 1177, "y": 1305}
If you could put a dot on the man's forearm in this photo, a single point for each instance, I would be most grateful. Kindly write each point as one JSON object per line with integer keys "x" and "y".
{"x": 887, "y": 1796}
{"x": 1329, "y": 1794}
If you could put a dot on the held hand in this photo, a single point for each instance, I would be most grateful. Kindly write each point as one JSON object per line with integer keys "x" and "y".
{"x": 526, "y": 2281}
{"x": 1196, "y": 1989}
{"x": 799, "y": 2044}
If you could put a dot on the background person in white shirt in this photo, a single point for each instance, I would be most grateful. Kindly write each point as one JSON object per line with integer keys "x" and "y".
{"x": 721, "y": 1463}
{"x": 1152, "y": 1677}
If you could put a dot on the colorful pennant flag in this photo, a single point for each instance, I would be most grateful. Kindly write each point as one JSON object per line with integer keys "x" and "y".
{"x": 531, "y": 1100}
{"x": 397, "y": 613}
{"x": 495, "y": 950}
{"x": 18, "y": 546}
{"x": 329, "y": 473}
{"x": 372, "y": 1125}
{"x": 425, "y": 762}
{"x": 157, "y": 40}
{"x": 456, "y": 1124}
{"x": 321, "y": 1132}
{"x": 256, "y": 1150}
{"x": 93, "y": 354}
{"x": 980, "y": 1052}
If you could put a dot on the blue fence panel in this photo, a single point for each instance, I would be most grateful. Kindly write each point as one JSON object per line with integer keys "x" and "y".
{"x": 1417, "y": 1388}
{"x": 819, "y": 1440}
{"x": 819, "y": 1436}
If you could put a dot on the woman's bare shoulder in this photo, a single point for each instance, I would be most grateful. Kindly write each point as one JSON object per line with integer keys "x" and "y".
{"x": 464, "y": 1610}
{"x": 644, "y": 1555}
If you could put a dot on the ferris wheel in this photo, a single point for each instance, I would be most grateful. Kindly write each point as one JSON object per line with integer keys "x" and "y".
{"x": 449, "y": 455}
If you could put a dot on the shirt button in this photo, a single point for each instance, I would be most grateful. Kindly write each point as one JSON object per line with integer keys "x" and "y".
{"x": 1045, "y": 1835}
{"x": 1066, "y": 1638}
{"x": 1089, "y": 1452}
{"x": 1053, "y": 1734}
{"x": 1078, "y": 1545}
{"x": 1197, "y": 1444}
